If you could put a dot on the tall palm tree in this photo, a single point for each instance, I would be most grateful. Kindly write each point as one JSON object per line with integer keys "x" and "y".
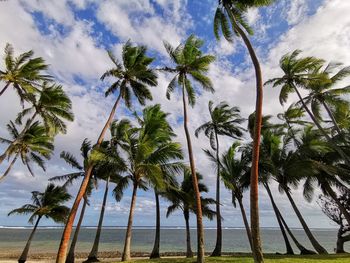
{"x": 69, "y": 180}
{"x": 48, "y": 204}
{"x": 149, "y": 152}
{"x": 184, "y": 199}
{"x": 35, "y": 145}
{"x": 133, "y": 76}
{"x": 190, "y": 64}
{"x": 233, "y": 12}
{"x": 302, "y": 72}
{"x": 224, "y": 120}
{"x": 53, "y": 107}
{"x": 24, "y": 72}
{"x": 232, "y": 173}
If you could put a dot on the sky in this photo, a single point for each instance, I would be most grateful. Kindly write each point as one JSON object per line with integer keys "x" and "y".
{"x": 73, "y": 36}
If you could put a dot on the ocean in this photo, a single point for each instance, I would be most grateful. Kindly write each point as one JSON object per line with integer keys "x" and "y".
{"x": 13, "y": 239}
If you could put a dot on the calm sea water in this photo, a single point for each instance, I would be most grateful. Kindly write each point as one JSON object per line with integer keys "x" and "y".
{"x": 172, "y": 239}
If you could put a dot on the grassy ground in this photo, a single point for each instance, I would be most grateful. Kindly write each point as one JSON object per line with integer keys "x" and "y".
{"x": 344, "y": 258}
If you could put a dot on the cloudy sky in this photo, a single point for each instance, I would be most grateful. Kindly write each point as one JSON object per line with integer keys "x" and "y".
{"x": 73, "y": 36}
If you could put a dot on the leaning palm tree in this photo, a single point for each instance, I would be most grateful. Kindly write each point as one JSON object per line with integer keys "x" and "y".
{"x": 35, "y": 145}
{"x": 150, "y": 152}
{"x": 24, "y": 73}
{"x": 190, "y": 64}
{"x": 301, "y": 73}
{"x": 233, "y": 12}
{"x": 47, "y": 204}
{"x": 133, "y": 76}
{"x": 52, "y": 105}
{"x": 224, "y": 120}
{"x": 184, "y": 199}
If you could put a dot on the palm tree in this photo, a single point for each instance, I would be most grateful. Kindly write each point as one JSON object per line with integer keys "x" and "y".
{"x": 48, "y": 204}
{"x": 224, "y": 120}
{"x": 303, "y": 72}
{"x": 149, "y": 152}
{"x": 53, "y": 107}
{"x": 232, "y": 174}
{"x": 233, "y": 12}
{"x": 34, "y": 145}
{"x": 24, "y": 73}
{"x": 134, "y": 75}
{"x": 190, "y": 63}
{"x": 69, "y": 179}
{"x": 184, "y": 199}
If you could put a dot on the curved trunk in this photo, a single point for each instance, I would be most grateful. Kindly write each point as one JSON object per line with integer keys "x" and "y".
{"x": 245, "y": 221}
{"x": 218, "y": 246}
{"x": 9, "y": 168}
{"x": 71, "y": 253}
{"x": 94, "y": 251}
{"x": 200, "y": 230}
{"x": 62, "y": 250}
{"x": 24, "y": 254}
{"x": 275, "y": 209}
{"x": 189, "y": 253}
{"x": 340, "y": 242}
{"x": 5, "y": 88}
{"x": 155, "y": 250}
{"x": 127, "y": 244}
{"x": 330, "y": 114}
{"x": 336, "y": 200}
{"x": 303, "y": 250}
{"x": 329, "y": 139}
{"x": 314, "y": 242}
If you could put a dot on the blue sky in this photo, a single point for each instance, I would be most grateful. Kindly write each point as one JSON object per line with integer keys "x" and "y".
{"x": 73, "y": 35}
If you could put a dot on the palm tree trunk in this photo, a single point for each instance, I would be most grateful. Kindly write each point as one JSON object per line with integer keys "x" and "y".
{"x": 155, "y": 250}
{"x": 339, "y": 204}
{"x": 200, "y": 230}
{"x": 218, "y": 246}
{"x": 330, "y": 114}
{"x": 71, "y": 254}
{"x": 254, "y": 177}
{"x": 189, "y": 253}
{"x": 245, "y": 221}
{"x": 62, "y": 250}
{"x": 94, "y": 251}
{"x": 5, "y": 88}
{"x": 127, "y": 244}
{"x": 329, "y": 139}
{"x": 24, "y": 254}
{"x": 9, "y": 168}
{"x": 275, "y": 209}
{"x": 303, "y": 250}
{"x": 314, "y": 242}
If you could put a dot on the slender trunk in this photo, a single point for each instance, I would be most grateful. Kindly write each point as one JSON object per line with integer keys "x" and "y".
{"x": 200, "y": 230}
{"x": 218, "y": 246}
{"x": 71, "y": 254}
{"x": 24, "y": 254}
{"x": 275, "y": 209}
{"x": 19, "y": 137}
{"x": 62, "y": 250}
{"x": 189, "y": 253}
{"x": 9, "y": 168}
{"x": 340, "y": 242}
{"x": 329, "y": 139}
{"x": 254, "y": 177}
{"x": 330, "y": 114}
{"x": 5, "y": 88}
{"x": 303, "y": 250}
{"x": 339, "y": 204}
{"x": 245, "y": 221}
{"x": 155, "y": 250}
{"x": 127, "y": 244}
{"x": 94, "y": 251}
{"x": 314, "y": 242}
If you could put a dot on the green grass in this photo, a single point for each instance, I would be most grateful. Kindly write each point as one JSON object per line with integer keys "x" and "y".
{"x": 343, "y": 258}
